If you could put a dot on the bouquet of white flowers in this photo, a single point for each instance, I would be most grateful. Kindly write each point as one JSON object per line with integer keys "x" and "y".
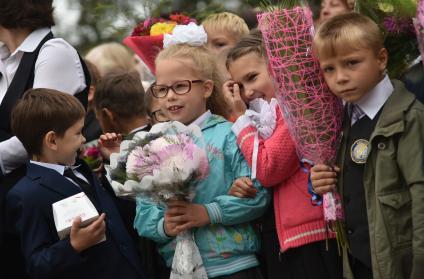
{"x": 165, "y": 164}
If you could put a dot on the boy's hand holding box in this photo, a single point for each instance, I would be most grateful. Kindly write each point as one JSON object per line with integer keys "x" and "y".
{"x": 66, "y": 210}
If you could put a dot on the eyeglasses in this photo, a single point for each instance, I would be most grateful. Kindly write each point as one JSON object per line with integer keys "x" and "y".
{"x": 159, "y": 116}
{"x": 179, "y": 87}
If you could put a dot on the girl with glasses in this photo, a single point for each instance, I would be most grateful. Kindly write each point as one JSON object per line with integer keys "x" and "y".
{"x": 188, "y": 88}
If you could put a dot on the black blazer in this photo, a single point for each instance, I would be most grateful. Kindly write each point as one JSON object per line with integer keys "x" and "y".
{"x": 29, "y": 210}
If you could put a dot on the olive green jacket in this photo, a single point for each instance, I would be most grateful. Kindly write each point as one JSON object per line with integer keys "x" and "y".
{"x": 394, "y": 188}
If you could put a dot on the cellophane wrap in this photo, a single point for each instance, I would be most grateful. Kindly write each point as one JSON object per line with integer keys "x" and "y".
{"x": 161, "y": 165}
{"x": 313, "y": 114}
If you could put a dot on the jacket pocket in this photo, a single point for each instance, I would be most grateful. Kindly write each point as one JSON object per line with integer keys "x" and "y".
{"x": 396, "y": 209}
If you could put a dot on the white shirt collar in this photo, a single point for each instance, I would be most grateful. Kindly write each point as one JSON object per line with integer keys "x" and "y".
{"x": 28, "y": 45}
{"x": 4, "y": 51}
{"x": 199, "y": 121}
{"x": 374, "y": 100}
{"x": 59, "y": 168}
{"x": 137, "y": 129}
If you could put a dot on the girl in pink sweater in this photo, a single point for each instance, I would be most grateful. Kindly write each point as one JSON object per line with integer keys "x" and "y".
{"x": 300, "y": 249}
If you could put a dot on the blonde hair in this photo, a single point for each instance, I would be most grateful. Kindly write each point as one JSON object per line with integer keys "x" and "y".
{"x": 111, "y": 57}
{"x": 205, "y": 66}
{"x": 351, "y": 30}
{"x": 227, "y": 22}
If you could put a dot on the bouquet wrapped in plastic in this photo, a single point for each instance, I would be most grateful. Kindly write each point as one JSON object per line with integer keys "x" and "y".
{"x": 146, "y": 39}
{"x": 313, "y": 114}
{"x": 165, "y": 164}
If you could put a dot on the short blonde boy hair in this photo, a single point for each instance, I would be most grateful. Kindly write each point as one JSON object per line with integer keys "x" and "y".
{"x": 111, "y": 57}
{"x": 351, "y": 30}
{"x": 205, "y": 66}
{"x": 227, "y": 22}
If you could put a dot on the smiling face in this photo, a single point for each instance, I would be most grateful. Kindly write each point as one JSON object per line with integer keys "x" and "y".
{"x": 351, "y": 73}
{"x": 68, "y": 144}
{"x": 187, "y": 107}
{"x": 250, "y": 71}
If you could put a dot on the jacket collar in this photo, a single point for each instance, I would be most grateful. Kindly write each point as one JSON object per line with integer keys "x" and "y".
{"x": 391, "y": 119}
{"x": 51, "y": 179}
{"x": 211, "y": 121}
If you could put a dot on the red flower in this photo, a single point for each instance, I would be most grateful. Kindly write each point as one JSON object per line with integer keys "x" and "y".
{"x": 181, "y": 19}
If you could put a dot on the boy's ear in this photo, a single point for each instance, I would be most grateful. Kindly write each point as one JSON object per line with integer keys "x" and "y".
{"x": 108, "y": 115}
{"x": 382, "y": 57}
{"x": 49, "y": 140}
{"x": 208, "y": 85}
{"x": 91, "y": 92}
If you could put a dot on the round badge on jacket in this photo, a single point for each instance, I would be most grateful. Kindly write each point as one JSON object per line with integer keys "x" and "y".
{"x": 359, "y": 151}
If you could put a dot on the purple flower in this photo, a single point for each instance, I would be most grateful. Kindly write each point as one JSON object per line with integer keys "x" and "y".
{"x": 395, "y": 25}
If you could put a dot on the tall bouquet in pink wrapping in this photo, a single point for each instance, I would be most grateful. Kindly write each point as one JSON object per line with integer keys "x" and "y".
{"x": 313, "y": 114}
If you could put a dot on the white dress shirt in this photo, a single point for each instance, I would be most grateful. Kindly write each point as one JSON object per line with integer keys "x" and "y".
{"x": 61, "y": 170}
{"x": 57, "y": 67}
{"x": 374, "y": 100}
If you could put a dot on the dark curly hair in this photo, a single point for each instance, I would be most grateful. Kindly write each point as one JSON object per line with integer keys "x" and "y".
{"x": 30, "y": 14}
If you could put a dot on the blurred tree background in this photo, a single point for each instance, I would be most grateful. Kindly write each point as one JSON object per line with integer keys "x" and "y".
{"x": 97, "y": 21}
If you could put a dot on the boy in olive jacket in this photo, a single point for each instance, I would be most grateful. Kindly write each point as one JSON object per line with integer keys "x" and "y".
{"x": 381, "y": 177}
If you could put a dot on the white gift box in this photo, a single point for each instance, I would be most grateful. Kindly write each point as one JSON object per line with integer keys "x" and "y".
{"x": 66, "y": 210}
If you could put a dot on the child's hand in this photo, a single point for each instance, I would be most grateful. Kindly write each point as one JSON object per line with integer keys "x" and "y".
{"x": 83, "y": 238}
{"x": 187, "y": 215}
{"x": 233, "y": 98}
{"x": 323, "y": 178}
{"x": 169, "y": 226}
{"x": 243, "y": 188}
{"x": 109, "y": 143}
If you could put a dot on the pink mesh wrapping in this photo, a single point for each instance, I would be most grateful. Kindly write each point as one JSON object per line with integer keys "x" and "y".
{"x": 419, "y": 28}
{"x": 313, "y": 114}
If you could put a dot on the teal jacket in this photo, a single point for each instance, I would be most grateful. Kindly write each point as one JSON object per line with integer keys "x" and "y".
{"x": 229, "y": 243}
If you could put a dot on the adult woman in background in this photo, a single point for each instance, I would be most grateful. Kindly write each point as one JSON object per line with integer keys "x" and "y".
{"x": 30, "y": 57}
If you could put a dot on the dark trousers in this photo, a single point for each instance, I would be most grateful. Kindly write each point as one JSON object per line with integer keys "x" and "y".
{"x": 11, "y": 259}
{"x": 250, "y": 273}
{"x": 359, "y": 270}
{"x": 312, "y": 261}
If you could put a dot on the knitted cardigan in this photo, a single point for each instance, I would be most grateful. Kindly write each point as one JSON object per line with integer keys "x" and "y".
{"x": 298, "y": 222}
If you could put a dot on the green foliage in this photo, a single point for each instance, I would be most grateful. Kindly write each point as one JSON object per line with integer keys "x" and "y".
{"x": 269, "y": 5}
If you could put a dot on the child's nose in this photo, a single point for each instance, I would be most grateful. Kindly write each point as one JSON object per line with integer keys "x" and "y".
{"x": 341, "y": 76}
{"x": 249, "y": 93}
{"x": 171, "y": 94}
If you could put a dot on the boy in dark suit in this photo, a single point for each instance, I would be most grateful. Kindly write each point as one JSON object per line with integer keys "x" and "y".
{"x": 120, "y": 107}
{"x": 52, "y": 175}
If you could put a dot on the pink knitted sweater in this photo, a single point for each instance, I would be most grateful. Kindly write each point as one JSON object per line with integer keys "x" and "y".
{"x": 298, "y": 222}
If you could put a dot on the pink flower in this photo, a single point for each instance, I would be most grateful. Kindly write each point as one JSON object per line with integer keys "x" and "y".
{"x": 92, "y": 152}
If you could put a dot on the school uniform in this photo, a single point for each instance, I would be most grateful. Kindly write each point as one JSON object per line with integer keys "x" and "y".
{"x": 21, "y": 70}
{"x": 29, "y": 211}
{"x": 381, "y": 182}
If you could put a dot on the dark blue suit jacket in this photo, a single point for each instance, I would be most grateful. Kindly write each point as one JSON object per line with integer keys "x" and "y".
{"x": 29, "y": 209}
